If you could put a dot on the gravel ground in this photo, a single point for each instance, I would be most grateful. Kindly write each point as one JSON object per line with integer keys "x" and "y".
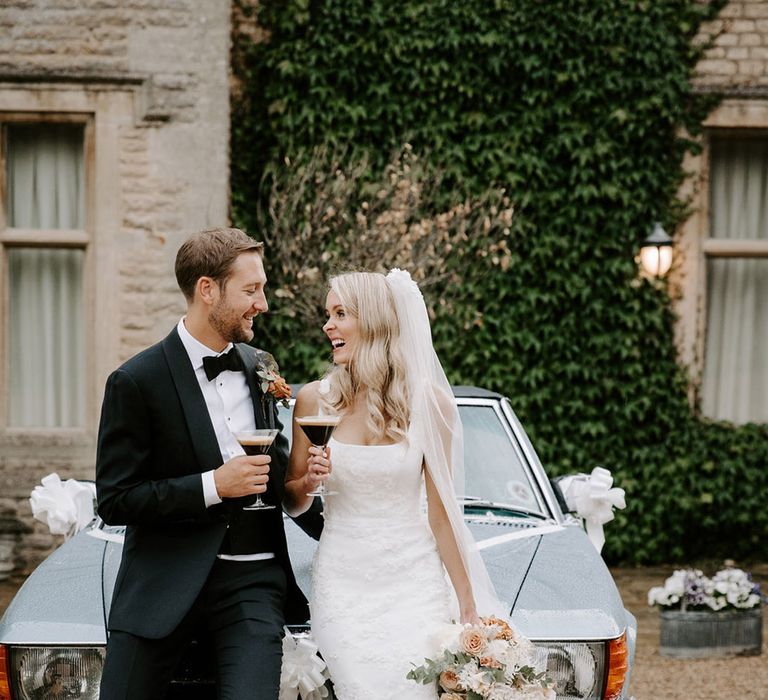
{"x": 654, "y": 677}
{"x": 660, "y": 678}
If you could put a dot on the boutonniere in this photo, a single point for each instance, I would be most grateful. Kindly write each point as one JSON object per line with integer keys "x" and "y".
{"x": 272, "y": 383}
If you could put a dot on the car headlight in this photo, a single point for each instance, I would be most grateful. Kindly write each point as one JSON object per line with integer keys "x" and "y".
{"x": 56, "y": 672}
{"x": 578, "y": 668}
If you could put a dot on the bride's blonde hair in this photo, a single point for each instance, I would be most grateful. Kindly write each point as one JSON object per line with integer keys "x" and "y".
{"x": 376, "y": 369}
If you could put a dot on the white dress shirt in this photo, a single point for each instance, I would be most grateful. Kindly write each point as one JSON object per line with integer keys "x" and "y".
{"x": 230, "y": 407}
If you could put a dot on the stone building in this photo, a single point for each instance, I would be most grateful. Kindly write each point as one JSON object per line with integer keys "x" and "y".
{"x": 115, "y": 132}
{"x": 722, "y": 276}
{"x": 114, "y": 119}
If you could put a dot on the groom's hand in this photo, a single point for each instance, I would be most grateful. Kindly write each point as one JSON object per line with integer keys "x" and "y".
{"x": 242, "y": 476}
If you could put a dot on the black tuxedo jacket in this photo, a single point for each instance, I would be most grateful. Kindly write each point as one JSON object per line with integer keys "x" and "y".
{"x": 155, "y": 439}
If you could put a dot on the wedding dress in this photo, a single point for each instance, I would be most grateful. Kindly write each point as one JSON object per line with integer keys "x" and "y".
{"x": 380, "y": 592}
{"x": 379, "y": 587}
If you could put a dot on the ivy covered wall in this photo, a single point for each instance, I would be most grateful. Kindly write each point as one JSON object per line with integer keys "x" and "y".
{"x": 582, "y": 111}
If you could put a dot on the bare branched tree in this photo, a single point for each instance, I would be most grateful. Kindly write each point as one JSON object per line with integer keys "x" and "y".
{"x": 326, "y": 215}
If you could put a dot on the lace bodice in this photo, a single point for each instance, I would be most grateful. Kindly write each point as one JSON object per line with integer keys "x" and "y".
{"x": 380, "y": 484}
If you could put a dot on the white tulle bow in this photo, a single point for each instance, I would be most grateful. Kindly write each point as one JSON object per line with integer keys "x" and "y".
{"x": 66, "y": 507}
{"x": 592, "y": 498}
{"x": 304, "y": 673}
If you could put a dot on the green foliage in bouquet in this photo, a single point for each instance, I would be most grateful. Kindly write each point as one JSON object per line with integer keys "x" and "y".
{"x": 578, "y": 115}
{"x": 483, "y": 661}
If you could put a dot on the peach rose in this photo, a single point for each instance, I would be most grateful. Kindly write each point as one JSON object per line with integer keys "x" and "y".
{"x": 505, "y": 631}
{"x": 472, "y": 642}
{"x": 489, "y": 662}
{"x": 449, "y": 680}
{"x": 452, "y": 696}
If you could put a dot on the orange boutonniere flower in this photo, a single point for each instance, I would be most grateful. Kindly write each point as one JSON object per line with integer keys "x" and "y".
{"x": 274, "y": 385}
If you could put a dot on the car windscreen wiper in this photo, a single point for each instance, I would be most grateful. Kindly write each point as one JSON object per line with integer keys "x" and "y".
{"x": 477, "y": 503}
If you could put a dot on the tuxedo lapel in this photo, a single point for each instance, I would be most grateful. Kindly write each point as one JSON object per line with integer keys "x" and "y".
{"x": 248, "y": 355}
{"x": 201, "y": 431}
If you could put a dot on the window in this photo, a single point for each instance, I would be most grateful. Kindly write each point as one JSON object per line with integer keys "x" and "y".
{"x": 735, "y": 378}
{"x": 44, "y": 244}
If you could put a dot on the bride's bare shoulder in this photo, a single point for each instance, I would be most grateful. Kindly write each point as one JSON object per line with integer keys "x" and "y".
{"x": 308, "y": 399}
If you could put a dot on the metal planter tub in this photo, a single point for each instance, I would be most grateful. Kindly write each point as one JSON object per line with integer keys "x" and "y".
{"x": 696, "y": 635}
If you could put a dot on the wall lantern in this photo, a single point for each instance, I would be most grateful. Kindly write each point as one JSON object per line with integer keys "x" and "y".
{"x": 656, "y": 253}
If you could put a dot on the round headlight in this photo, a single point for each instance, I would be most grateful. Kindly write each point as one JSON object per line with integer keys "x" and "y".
{"x": 576, "y": 668}
{"x": 57, "y": 673}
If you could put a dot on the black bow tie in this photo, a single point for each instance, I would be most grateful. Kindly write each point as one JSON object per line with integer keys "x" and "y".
{"x": 214, "y": 365}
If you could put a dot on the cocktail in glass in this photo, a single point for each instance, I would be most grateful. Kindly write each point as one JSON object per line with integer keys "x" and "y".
{"x": 318, "y": 430}
{"x": 257, "y": 442}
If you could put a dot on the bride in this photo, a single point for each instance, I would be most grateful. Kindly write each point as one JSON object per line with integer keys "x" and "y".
{"x": 379, "y": 586}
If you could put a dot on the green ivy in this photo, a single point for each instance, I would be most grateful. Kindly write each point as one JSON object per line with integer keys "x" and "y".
{"x": 582, "y": 111}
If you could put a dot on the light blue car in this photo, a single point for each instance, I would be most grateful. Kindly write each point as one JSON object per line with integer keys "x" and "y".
{"x": 560, "y": 592}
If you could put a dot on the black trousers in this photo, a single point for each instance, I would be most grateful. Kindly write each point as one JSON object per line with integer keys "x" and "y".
{"x": 241, "y": 609}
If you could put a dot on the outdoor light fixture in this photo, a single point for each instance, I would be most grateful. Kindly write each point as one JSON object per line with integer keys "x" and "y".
{"x": 656, "y": 253}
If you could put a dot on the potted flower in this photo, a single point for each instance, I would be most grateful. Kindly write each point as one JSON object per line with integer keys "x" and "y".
{"x": 703, "y": 616}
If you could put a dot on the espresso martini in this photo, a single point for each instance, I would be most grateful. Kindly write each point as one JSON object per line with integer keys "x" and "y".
{"x": 318, "y": 430}
{"x": 257, "y": 442}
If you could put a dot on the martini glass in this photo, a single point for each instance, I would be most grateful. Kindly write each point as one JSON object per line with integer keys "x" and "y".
{"x": 257, "y": 442}
{"x": 318, "y": 430}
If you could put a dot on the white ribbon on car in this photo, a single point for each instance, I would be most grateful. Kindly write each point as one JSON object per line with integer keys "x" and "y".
{"x": 592, "y": 497}
{"x": 536, "y": 531}
{"x": 66, "y": 507}
{"x": 304, "y": 673}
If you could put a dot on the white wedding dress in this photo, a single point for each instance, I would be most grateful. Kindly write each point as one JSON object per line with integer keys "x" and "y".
{"x": 379, "y": 587}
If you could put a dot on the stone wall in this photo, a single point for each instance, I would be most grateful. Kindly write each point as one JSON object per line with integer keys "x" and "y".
{"x": 735, "y": 66}
{"x": 738, "y": 58}
{"x": 171, "y": 177}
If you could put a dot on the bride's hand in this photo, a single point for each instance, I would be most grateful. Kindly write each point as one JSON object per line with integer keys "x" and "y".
{"x": 318, "y": 465}
{"x": 468, "y": 615}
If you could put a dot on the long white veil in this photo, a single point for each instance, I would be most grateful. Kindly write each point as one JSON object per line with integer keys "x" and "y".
{"x": 436, "y": 426}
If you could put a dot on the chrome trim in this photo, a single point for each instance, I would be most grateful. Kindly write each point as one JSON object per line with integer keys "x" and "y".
{"x": 578, "y": 640}
{"x": 569, "y": 640}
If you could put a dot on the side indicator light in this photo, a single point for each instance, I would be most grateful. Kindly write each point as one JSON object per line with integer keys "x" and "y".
{"x": 618, "y": 658}
{"x": 5, "y": 679}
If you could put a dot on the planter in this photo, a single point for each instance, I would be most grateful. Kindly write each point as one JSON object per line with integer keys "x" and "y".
{"x": 696, "y": 635}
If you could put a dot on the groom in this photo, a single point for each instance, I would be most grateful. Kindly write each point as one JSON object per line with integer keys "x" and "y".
{"x": 169, "y": 467}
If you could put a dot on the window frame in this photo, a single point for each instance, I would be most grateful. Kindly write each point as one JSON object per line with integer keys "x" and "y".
{"x": 80, "y": 239}
{"x": 697, "y": 243}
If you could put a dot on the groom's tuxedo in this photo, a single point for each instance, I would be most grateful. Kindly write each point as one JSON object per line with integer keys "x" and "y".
{"x": 155, "y": 441}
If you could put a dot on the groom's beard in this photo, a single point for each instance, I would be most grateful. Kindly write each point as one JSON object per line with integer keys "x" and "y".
{"x": 228, "y": 323}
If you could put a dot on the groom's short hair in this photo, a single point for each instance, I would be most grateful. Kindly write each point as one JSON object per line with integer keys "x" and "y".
{"x": 211, "y": 253}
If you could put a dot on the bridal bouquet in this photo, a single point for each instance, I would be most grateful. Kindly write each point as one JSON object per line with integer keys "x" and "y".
{"x": 487, "y": 661}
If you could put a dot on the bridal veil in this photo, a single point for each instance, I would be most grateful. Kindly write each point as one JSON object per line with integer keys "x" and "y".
{"x": 436, "y": 426}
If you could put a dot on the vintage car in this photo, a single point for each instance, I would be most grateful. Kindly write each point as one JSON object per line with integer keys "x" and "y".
{"x": 561, "y": 595}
